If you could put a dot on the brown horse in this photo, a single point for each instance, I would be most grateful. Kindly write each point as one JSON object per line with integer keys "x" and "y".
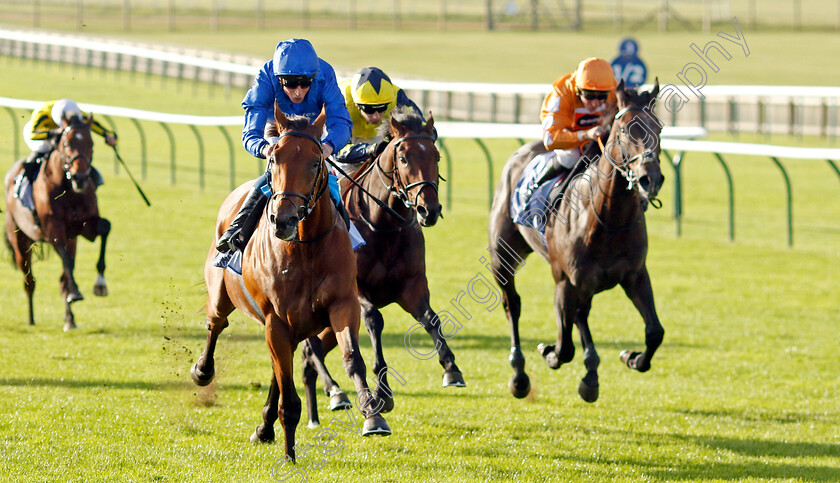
{"x": 391, "y": 266}
{"x": 595, "y": 240}
{"x": 298, "y": 277}
{"x": 65, "y": 207}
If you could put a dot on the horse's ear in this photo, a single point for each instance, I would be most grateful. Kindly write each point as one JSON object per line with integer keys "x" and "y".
{"x": 430, "y": 124}
{"x": 396, "y": 127}
{"x": 320, "y": 120}
{"x": 655, "y": 91}
{"x": 89, "y": 119}
{"x": 282, "y": 122}
{"x": 620, "y": 94}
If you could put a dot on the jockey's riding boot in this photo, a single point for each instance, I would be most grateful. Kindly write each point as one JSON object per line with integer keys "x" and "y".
{"x": 550, "y": 170}
{"x": 242, "y": 227}
{"x": 344, "y": 215}
{"x": 32, "y": 164}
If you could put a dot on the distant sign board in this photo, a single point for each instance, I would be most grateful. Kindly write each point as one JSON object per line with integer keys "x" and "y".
{"x": 628, "y": 65}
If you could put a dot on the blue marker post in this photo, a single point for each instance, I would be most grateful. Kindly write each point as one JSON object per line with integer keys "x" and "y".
{"x": 628, "y": 65}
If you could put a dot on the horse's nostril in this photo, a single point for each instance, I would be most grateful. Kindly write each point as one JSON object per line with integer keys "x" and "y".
{"x": 292, "y": 221}
{"x": 422, "y": 211}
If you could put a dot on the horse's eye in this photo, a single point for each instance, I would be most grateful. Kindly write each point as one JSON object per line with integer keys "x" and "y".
{"x": 403, "y": 160}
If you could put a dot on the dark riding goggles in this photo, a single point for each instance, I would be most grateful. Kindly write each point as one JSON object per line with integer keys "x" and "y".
{"x": 591, "y": 95}
{"x": 372, "y": 108}
{"x": 295, "y": 81}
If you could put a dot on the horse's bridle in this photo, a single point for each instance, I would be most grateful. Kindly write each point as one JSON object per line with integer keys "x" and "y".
{"x": 309, "y": 200}
{"x": 397, "y": 187}
{"x": 648, "y": 155}
{"x": 68, "y": 163}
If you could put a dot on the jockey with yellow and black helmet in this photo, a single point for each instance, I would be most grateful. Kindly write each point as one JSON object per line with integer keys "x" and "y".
{"x": 369, "y": 96}
{"x": 45, "y": 125}
{"x": 571, "y": 113}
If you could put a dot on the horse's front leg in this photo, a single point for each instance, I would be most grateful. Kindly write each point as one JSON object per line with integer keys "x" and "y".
{"x": 639, "y": 290}
{"x": 265, "y": 431}
{"x": 90, "y": 230}
{"x": 66, "y": 249}
{"x": 588, "y": 387}
{"x": 314, "y": 353}
{"x": 374, "y": 323}
{"x": 565, "y": 309}
{"x": 218, "y": 307}
{"x": 281, "y": 348}
{"x": 344, "y": 319}
{"x": 415, "y": 300}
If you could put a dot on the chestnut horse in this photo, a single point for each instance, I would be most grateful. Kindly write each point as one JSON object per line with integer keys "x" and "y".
{"x": 64, "y": 194}
{"x": 298, "y": 277}
{"x": 595, "y": 240}
{"x": 391, "y": 266}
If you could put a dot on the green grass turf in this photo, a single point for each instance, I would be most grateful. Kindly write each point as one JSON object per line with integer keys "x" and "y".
{"x": 776, "y": 57}
{"x": 744, "y": 387}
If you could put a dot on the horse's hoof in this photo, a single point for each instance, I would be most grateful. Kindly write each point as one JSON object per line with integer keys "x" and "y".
{"x": 311, "y": 425}
{"x": 587, "y": 392}
{"x": 339, "y": 401}
{"x": 376, "y": 425}
{"x": 387, "y": 403}
{"x": 631, "y": 360}
{"x": 68, "y": 326}
{"x": 266, "y": 437}
{"x": 74, "y": 297}
{"x": 100, "y": 288}
{"x": 200, "y": 377}
{"x": 453, "y": 378}
{"x": 520, "y": 386}
{"x": 547, "y": 352}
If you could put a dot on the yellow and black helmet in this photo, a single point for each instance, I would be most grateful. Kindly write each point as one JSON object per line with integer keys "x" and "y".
{"x": 370, "y": 86}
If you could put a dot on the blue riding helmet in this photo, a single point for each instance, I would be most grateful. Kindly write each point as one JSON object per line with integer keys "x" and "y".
{"x": 295, "y": 57}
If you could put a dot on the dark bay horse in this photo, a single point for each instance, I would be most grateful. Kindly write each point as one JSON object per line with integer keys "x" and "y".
{"x": 65, "y": 207}
{"x": 298, "y": 277}
{"x": 391, "y": 266}
{"x": 596, "y": 239}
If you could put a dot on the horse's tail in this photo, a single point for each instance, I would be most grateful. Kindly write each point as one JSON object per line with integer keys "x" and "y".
{"x": 9, "y": 247}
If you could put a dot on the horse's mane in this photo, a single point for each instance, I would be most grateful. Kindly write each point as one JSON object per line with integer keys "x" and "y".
{"x": 76, "y": 121}
{"x": 636, "y": 98}
{"x": 405, "y": 115}
{"x": 296, "y": 123}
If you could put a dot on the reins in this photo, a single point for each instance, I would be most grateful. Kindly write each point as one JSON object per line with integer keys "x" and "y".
{"x": 319, "y": 188}
{"x": 647, "y": 156}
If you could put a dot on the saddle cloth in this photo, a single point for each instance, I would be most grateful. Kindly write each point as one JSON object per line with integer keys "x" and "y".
{"x": 23, "y": 188}
{"x": 529, "y": 202}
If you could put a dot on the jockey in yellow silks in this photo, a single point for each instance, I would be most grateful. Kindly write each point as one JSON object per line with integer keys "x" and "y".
{"x": 45, "y": 123}
{"x": 370, "y": 96}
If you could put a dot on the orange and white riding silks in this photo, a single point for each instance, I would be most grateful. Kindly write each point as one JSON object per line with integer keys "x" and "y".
{"x": 563, "y": 114}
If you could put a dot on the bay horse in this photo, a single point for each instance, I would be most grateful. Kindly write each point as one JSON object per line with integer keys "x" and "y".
{"x": 64, "y": 194}
{"x": 298, "y": 277}
{"x": 391, "y": 266}
{"x": 595, "y": 240}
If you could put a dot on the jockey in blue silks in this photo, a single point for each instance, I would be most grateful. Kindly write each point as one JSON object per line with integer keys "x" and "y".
{"x": 301, "y": 84}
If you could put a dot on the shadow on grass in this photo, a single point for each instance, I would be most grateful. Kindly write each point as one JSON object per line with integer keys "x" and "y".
{"x": 760, "y": 470}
